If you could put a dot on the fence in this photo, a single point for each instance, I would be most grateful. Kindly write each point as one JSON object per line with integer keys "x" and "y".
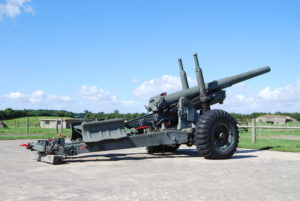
{"x": 28, "y": 125}
{"x": 266, "y": 128}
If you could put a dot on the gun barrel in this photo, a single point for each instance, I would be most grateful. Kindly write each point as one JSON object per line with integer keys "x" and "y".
{"x": 229, "y": 81}
{"x": 216, "y": 85}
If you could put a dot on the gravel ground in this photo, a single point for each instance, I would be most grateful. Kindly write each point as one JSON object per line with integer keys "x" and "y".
{"x": 132, "y": 174}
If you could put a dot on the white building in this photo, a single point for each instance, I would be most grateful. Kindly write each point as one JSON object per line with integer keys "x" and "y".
{"x": 60, "y": 123}
{"x": 275, "y": 119}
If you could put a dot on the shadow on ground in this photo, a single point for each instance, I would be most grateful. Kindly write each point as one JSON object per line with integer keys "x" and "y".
{"x": 256, "y": 150}
{"x": 180, "y": 153}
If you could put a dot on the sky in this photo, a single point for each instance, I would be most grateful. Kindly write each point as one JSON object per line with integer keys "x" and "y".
{"x": 104, "y": 55}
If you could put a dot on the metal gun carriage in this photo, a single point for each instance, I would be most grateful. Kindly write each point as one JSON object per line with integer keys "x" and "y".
{"x": 183, "y": 117}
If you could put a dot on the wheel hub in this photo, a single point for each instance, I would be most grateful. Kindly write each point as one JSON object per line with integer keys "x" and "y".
{"x": 221, "y": 137}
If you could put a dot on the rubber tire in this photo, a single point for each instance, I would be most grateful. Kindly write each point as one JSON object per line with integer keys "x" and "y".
{"x": 204, "y": 137}
{"x": 162, "y": 148}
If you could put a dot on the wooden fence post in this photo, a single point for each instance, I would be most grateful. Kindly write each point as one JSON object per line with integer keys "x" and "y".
{"x": 27, "y": 125}
{"x": 253, "y": 131}
{"x": 56, "y": 126}
{"x": 62, "y": 124}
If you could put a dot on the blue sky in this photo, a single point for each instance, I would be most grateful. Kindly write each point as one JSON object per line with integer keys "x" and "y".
{"x": 106, "y": 55}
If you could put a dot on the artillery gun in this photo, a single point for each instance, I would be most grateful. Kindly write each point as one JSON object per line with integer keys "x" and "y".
{"x": 183, "y": 117}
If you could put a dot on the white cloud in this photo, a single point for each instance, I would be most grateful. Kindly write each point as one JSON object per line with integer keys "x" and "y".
{"x": 37, "y": 99}
{"x": 244, "y": 100}
{"x": 93, "y": 93}
{"x": 287, "y": 93}
{"x": 37, "y": 96}
{"x": 96, "y": 99}
{"x": 15, "y": 95}
{"x": 87, "y": 98}
{"x": 13, "y": 8}
{"x": 166, "y": 83}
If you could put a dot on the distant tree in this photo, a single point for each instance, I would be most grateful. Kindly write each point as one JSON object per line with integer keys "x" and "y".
{"x": 116, "y": 112}
{"x": 88, "y": 114}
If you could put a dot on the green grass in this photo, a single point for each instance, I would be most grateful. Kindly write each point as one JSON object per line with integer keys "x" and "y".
{"x": 39, "y": 136}
{"x": 273, "y": 132}
{"x": 17, "y": 129}
{"x": 267, "y": 141}
{"x": 22, "y": 131}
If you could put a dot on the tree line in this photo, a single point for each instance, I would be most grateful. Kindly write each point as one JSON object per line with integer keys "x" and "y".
{"x": 115, "y": 114}
{"x": 10, "y": 113}
{"x": 242, "y": 117}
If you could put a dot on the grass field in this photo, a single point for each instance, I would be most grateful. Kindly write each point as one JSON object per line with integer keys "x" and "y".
{"x": 272, "y": 140}
{"x": 34, "y": 133}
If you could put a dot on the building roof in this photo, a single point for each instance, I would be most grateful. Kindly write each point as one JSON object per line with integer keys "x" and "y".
{"x": 59, "y": 119}
{"x": 277, "y": 116}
